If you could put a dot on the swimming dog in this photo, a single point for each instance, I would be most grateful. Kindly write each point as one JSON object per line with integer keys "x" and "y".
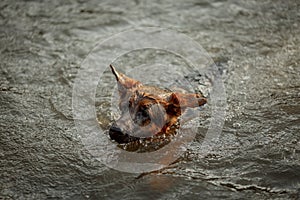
{"x": 148, "y": 111}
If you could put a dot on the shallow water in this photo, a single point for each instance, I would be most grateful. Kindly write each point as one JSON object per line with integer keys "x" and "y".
{"x": 255, "y": 46}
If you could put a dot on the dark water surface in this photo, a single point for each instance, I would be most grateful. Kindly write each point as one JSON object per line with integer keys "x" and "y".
{"x": 256, "y": 45}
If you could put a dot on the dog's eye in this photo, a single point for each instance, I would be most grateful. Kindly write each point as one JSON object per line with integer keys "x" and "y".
{"x": 142, "y": 117}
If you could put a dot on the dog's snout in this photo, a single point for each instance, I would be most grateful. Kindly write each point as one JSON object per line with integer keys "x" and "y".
{"x": 115, "y": 129}
{"x": 117, "y": 135}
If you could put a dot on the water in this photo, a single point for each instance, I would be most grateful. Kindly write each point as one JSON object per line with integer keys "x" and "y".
{"x": 255, "y": 46}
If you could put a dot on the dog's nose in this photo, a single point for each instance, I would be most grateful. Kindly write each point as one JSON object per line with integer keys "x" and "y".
{"x": 117, "y": 135}
{"x": 115, "y": 129}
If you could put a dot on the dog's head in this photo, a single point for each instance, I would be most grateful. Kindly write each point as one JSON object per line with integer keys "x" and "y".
{"x": 147, "y": 111}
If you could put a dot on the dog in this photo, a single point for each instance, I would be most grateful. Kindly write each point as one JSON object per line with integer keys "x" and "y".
{"x": 148, "y": 111}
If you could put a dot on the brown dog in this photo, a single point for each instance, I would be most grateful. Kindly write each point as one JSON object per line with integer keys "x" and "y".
{"x": 147, "y": 110}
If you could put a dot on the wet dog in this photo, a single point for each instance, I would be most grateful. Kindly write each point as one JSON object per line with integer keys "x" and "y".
{"x": 148, "y": 111}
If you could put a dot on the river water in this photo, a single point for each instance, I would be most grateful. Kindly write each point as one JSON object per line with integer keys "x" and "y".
{"x": 255, "y": 46}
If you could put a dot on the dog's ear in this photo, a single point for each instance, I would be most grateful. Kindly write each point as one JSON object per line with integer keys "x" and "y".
{"x": 124, "y": 82}
{"x": 178, "y": 102}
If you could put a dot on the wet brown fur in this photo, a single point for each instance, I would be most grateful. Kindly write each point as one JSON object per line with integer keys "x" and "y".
{"x": 155, "y": 108}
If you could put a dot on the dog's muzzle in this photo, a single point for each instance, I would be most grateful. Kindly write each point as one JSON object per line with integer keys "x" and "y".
{"x": 119, "y": 136}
